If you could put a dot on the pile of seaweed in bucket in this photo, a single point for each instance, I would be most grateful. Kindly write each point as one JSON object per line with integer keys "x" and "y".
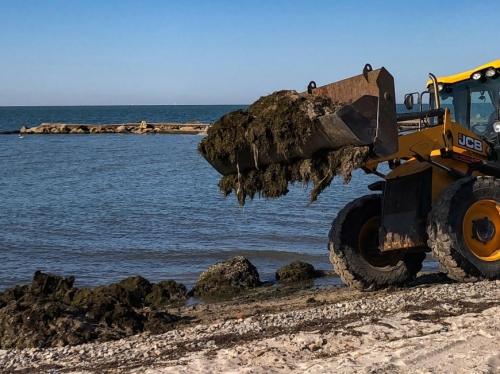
{"x": 281, "y": 121}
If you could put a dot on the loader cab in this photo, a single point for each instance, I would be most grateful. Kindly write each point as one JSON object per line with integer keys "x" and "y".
{"x": 473, "y": 99}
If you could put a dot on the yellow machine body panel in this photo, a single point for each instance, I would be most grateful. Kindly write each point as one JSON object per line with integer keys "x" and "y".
{"x": 452, "y": 79}
{"x": 420, "y": 171}
{"x": 440, "y": 178}
{"x": 427, "y": 143}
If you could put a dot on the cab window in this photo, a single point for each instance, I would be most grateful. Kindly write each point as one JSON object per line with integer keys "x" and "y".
{"x": 473, "y": 104}
{"x": 481, "y": 108}
{"x": 447, "y": 102}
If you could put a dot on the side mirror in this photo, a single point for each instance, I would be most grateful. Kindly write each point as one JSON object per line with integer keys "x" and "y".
{"x": 409, "y": 101}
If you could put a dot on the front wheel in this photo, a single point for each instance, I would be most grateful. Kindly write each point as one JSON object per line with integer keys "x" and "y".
{"x": 464, "y": 230}
{"x": 355, "y": 252}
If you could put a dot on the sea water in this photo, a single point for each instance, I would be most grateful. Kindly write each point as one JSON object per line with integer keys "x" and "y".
{"x": 106, "y": 206}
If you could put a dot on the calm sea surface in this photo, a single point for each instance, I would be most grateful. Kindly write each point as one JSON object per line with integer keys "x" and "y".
{"x": 107, "y": 206}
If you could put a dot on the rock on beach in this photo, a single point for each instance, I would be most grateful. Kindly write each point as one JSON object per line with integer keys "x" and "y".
{"x": 167, "y": 291}
{"x": 227, "y": 278}
{"x": 295, "y": 272}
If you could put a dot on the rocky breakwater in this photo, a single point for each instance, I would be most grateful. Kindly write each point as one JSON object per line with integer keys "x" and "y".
{"x": 143, "y": 127}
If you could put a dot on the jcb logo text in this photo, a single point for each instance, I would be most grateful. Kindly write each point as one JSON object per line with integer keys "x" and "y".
{"x": 469, "y": 142}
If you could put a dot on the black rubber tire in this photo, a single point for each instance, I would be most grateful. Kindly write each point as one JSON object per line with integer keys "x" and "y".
{"x": 348, "y": 260}
{"x": 446, "y": 233}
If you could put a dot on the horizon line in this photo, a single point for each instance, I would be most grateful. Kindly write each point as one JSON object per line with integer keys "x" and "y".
{"x": 83, "y": 105}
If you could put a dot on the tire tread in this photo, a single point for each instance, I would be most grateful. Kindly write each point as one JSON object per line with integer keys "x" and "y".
{"x": 441, "y": 237}
{"x": 351, "y": 272}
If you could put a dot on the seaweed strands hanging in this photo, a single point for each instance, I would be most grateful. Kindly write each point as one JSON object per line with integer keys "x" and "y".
{"x": 275, "y": 125}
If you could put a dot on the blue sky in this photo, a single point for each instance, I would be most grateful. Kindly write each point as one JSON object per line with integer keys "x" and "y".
{"x": 228, "y": 52}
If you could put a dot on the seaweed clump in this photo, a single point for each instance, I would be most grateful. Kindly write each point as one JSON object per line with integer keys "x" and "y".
{"x": 272, "y": 181}
{"x": 50, "y": 312}
{"x": 278, "y": 124}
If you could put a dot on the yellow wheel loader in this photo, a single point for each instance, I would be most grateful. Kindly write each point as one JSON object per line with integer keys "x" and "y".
{"x": 442, "y": 191}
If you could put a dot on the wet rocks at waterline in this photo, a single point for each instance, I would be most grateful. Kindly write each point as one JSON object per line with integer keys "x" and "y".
{"x": 295, "y": 272}
{"x": 50, "y": 312}
{"x": 228, "y": 277}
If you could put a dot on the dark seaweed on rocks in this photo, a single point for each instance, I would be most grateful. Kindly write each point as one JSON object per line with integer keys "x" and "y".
{"x": 138, "y": 288}
{"x": 282, "y": 121}
{"x": 167, "y": 291}
{"x": 50, "y": 312}
{"x": 295, "y": 272}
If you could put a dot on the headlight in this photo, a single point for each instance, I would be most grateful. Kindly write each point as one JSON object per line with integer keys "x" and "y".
{"x": 490, "y": 72}
{"x": 440, "y": 87}
{"x": 477, "y": 76}
{"x": 496, "y": 126}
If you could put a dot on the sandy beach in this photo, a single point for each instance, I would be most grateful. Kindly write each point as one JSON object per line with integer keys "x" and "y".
{"x": 432, "y": 326}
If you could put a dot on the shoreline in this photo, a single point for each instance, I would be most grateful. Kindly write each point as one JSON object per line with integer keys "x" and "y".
{"x": 432, "y": 325}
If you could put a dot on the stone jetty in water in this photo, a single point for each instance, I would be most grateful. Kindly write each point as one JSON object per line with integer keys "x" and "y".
{"x": 143, "y": 127}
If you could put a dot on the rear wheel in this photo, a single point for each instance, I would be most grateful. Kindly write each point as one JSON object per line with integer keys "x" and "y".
{"x": 355, "y": 252}
{"x": 464, "y": 230}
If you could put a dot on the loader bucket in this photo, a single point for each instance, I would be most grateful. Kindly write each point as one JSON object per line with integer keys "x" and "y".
{"x": 368, "y": 119}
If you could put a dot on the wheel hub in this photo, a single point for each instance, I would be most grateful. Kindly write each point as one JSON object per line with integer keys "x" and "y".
{"x": 480, "y": 224}
{"x": 483, "y": 230}
{"x": 369, "y": 245}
